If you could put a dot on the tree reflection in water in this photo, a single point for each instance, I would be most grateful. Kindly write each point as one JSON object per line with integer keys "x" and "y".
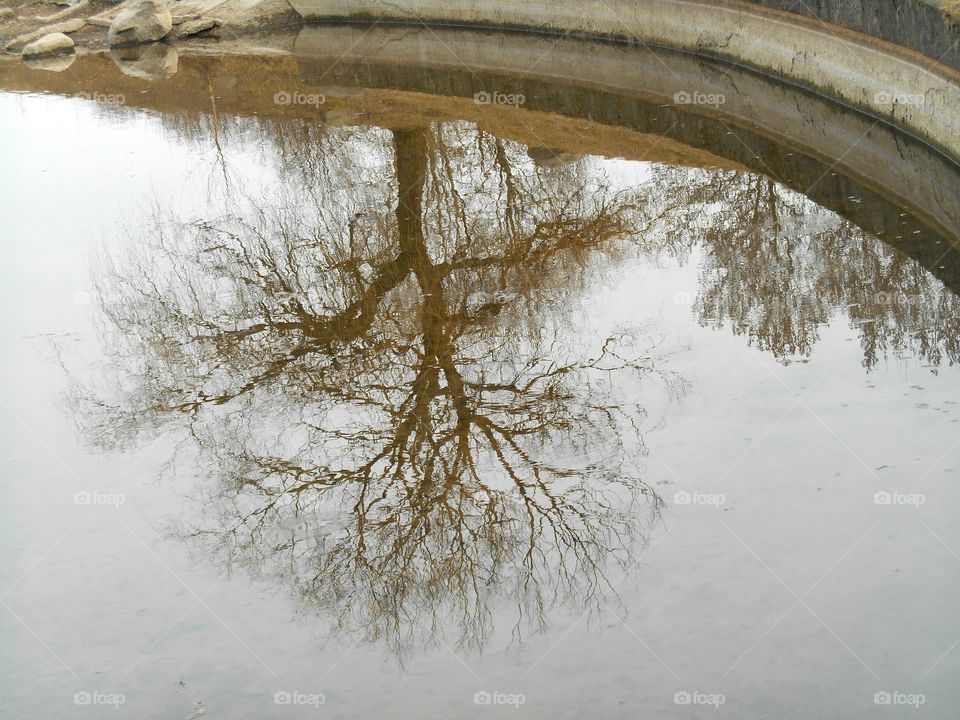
{"x": 382, "y": 379}
{"x": 777, "y": 269}
{"x": 398, "y": 420}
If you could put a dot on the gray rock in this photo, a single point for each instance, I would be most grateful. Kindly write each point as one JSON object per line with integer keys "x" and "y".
{"x": 67, "y": 26}
{"x": 67, "y": 12}
{"x": 51, "y": 44}
{"x": 6, "y": 14}
{"x": 142, "y": 22}
{"x": 156, "y": 61}
{"x": 192, "y": 27}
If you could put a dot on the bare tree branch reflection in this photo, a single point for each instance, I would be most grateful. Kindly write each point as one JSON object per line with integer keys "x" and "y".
{"x": 778, "y": 269}
{"x": 396, "y": 417}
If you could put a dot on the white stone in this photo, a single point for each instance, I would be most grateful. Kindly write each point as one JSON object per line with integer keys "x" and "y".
{"x": 51, "y": 44}
{"x": 142, "y": 22}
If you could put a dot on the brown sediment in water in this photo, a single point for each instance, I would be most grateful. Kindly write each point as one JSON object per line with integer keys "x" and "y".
{"x": 246, "y": 85}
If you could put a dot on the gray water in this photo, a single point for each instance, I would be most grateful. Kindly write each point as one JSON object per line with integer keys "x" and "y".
{"x": 408, "y": 419}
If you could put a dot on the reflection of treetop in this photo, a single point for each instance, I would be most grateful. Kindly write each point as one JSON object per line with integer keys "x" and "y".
{"x": 777, "y": 268}
{"x": 399, "y": 364}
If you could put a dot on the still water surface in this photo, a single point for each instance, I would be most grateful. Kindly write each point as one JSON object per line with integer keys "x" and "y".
{"x": 388, "y": 414}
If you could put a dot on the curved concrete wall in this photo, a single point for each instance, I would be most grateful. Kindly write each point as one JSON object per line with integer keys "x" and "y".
{"x": 915, "y": 24}
{"x": 891, "y": 82}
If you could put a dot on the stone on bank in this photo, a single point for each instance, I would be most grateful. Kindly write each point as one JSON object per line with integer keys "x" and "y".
{"x": 50, "y": 44}
{"x": 142, "y": 22}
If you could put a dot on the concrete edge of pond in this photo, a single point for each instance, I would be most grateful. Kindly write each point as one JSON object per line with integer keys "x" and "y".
{"x": 891, "y": 82}
{"x": 924, "y": 26}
